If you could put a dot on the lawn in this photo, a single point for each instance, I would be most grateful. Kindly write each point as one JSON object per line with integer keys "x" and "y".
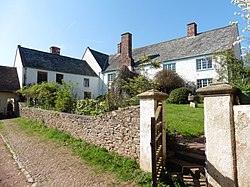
{"x": 185, "y": 120}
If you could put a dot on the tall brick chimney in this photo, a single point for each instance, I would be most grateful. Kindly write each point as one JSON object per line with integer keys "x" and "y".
{"x": 119, "y": 48}
{"x": 191, "y": 29}
{"x": 55, "y": 50}
{"x": 126, "y": 51}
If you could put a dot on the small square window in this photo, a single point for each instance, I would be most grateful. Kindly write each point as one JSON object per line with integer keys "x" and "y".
{"x": 87, "y": 95}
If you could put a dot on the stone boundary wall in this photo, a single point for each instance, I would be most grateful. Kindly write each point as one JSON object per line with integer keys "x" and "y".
{"x": 117, "y": 131}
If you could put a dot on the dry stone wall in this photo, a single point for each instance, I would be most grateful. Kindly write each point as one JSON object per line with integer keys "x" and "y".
{"x": 116, "y": 131}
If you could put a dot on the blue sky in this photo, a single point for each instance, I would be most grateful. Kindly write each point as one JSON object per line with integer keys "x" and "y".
{"x": 77, "y": 24}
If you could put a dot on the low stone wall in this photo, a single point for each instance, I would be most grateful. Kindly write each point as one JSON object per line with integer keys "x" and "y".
{"x": 117, "y": 131}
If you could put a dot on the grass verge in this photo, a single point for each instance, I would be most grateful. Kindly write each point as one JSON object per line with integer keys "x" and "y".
{"x": 185, "y": 120}
{"x": 124, "y": 168}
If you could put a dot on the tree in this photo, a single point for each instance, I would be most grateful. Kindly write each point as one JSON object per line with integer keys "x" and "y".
{"x": 244, "y": 13}
{"x": 125, "y": 88}
{"x": 65, "y": 98}
{"x": 232, "y": 70}
{"x": 51, "y": 96}
{"x": 168, "y": 80}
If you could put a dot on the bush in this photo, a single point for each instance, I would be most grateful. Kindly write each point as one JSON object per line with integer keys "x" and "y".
{"x": 179, "y": 95}
{"x": 91, "y": 106}
{"x": 168, "y": 80}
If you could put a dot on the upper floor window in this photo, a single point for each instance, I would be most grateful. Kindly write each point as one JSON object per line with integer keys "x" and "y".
{"x": 86, "y": 82}
{"x": 171, "y": 66}
{"x": 203, "y": 82}
{"x": 204, "y": 63}
{"x": 42, "y": 76}
{"x": 111, "y": 78}
{"x": 59, "y": 78}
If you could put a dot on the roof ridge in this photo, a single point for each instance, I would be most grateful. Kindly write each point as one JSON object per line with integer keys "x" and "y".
{"x": 183, "y": 37}
{"x": 98, "y": 51}
{"x": 50, "y": 53}
{"x": 8, "y": 67}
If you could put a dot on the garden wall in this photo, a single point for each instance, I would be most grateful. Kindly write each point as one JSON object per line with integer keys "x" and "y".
{"x": 117, "y": 131}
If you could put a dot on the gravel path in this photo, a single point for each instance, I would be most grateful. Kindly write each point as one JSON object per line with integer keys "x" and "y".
{"x": 45, "y": 163}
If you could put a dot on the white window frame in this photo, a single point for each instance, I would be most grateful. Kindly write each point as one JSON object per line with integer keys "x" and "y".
{"x": 204, "y": 64}
{"x": 170, "y": 66}
{"x": 200, "y": 83}
{"x": 111, "y": 77}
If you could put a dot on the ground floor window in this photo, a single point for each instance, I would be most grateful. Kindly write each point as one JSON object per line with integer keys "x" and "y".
{"x": 203, "y": 82}
{"x": 87, "y": 95}
{"x": 42, "y": 77}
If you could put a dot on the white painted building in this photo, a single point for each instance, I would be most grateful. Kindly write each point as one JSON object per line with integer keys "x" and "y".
{"x": 36, "y": 66}
{"x": 190, "y": 56}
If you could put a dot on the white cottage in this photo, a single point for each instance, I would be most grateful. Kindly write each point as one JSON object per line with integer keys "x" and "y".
{"x": 35, "y": 66}
{"x": 190, "y": 56}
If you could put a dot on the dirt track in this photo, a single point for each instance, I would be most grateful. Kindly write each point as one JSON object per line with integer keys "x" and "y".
{"x": 44, "y": 163}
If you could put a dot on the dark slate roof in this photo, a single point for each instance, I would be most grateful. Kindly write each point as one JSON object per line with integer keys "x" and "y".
{"x": 51, "y": 62}
{"x": 101, "y": 58}
{"x": 203, "y": 43}
{"x": 9, "y": 81}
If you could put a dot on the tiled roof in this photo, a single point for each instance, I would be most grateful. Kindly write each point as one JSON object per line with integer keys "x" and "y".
{"x": 52, "y": 62}
{"x": 203, "y": 43}
{"x": 9, "y": 81}
{"x": 101, "y": 58}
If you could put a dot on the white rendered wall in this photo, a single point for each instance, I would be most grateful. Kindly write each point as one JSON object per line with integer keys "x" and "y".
{"x": 19, "y": 66}
{"x": 89, "y": 58}
{"x": 31, "y": 75}
{"x": 186, "y": 68}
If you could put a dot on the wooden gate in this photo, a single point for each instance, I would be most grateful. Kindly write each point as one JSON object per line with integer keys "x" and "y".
{"x": 158, "y": 142}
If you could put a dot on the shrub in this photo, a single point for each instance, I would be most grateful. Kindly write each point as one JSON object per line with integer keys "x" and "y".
{"x": 168, "y": 80}
{"x": 91, "y": 106}
{"x": 179, "y": 95}
{"x": 125, "y": 87}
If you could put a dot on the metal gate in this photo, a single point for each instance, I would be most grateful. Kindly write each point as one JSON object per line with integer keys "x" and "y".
{"x": 158, "y": 142}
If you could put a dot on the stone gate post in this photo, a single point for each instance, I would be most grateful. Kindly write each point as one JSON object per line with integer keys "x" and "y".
{"x": 221, "y": 169}
{"x": 148, "y": 104}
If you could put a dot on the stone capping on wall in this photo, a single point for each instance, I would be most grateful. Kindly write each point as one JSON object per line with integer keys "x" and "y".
{"x": 117, "y": 131}
{"x": 219, "y": 88}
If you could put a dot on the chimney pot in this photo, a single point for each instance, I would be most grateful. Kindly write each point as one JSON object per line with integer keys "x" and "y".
{"x": 191, "y": 29}
{"x": 55, "y": 50}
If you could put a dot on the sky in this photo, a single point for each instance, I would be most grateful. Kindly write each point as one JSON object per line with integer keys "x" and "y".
{"x": 77, "y": 24}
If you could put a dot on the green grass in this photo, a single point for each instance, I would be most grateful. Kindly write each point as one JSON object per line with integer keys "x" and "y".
{"x": 185, "y": 120}
{"x": 1, "y": 125}
{"x": 124, "y": 168}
